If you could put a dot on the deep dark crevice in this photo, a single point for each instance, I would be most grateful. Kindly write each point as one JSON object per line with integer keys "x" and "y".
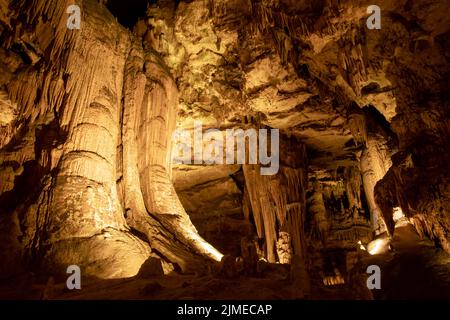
{"x": 443, "y": 40}
{"x": 365, "y": 205}
{"x": 239, "y": 179}
{"x": 128, "y": 12}
{"x": 140, "y": 235}
{"x": 377, "y": 123}
{"x": 370, "y": 88}
{"x": 176, "y": 266}
{"x": 25, "y": 184}
{"x": 20, "y": 50}
{"x": 410, "y": 25}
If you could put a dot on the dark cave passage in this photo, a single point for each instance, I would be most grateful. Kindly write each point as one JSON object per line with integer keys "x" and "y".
{"x": 128, "y": 12}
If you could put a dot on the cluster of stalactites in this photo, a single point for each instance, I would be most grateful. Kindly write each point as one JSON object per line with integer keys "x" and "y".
{"x": 267, "y": 18}
{"x": 358, "y": 128}
{"x": 351, "y": 58}
{"x": 336, "y": 211}
{"x": 435, "y": 229}
{"x": 395, "y": 190}
{"x": 277, "y": 204}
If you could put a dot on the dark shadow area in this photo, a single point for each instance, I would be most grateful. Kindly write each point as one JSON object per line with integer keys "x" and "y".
{"x": 128, "y": 12}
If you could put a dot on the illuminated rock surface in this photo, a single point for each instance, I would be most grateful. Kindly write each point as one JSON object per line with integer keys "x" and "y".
{"x": 86, "y": 123}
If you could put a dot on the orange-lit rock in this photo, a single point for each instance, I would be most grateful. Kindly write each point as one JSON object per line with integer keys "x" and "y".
{"x": 86, "y": 123}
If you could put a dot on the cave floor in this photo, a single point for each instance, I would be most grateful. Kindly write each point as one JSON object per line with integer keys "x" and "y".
{"x": 176, "y": 287}
{"x": 414, "y": 269}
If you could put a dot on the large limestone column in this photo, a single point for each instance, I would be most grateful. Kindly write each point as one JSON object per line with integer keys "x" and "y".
{"x": 92, "y": 156}
{"x": 375, "y": 162}
{"x": 150, "y": 105}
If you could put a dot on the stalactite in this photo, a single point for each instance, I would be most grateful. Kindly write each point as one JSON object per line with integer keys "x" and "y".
{"x": 352, "y": 178}
{"x": 351, "y": 58}
{"x": 319, "y": 216}
{"x": 268, "y": 18}
{"x": 250, "y": 173}
{"x": 65, "y": 62}
{"x": 296, "y": 204}
{"x": 357, "y": 126}
{"x": 296, "y": 226}
{"x": 266, "y": 218}
{"x": 279, "y": 201}
{"x": 296, "y": 183}
{"x": 284, "y": 46}
{"x": 278, "y": 205}
{"x": 246, "y": 205}
{"x": 433, "y": 228}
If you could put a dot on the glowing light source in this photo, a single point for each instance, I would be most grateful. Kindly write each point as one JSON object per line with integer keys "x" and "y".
{"x": 399, "y": 217}
{"x": 378, "y": 246}
{"x": 212, "y": 251}
{"x": 209, "y": 250}
{"x": 397, "y": 214}
{"x": 332, "y": 281}
{"x": 361, "y": 246}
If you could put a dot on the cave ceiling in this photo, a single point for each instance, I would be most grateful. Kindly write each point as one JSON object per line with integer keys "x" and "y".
{"x": 281, "y": 63}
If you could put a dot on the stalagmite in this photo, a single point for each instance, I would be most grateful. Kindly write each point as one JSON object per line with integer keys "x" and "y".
{"x": 154, "y": 95}
{"x": 375, "y": 162}
{"x": 284, "y": 251}
{"x": 353, "y": 186}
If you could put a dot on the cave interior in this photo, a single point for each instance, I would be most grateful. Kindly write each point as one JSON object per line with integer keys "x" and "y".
{"x": 90, "y": 170}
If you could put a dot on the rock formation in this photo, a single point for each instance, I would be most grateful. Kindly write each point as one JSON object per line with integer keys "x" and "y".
{"x": 87, "y": 116}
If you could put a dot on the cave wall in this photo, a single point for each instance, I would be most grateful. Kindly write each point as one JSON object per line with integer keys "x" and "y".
{"x": 87, "y": 116}
{"x": 80, "y": 189}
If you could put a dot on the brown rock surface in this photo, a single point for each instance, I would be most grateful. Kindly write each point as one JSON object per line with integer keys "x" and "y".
{"x": 87, "y": 175}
